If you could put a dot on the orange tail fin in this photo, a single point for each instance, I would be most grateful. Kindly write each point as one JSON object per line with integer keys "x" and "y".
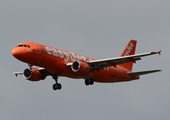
{"x": 129, "y": 50}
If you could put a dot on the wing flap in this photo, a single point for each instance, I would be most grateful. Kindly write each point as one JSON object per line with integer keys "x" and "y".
{"x": 142, "y": 72}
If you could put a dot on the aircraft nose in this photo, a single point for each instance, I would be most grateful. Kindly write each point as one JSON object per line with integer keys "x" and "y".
{"x": 16, "y": 53}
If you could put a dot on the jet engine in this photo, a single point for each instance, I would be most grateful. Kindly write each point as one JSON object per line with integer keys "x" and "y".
{"x": 80, "y": 67}
{"x": 32, "y": 75}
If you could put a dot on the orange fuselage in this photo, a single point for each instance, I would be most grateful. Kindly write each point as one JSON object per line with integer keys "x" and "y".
{"x": 54, "y": 60}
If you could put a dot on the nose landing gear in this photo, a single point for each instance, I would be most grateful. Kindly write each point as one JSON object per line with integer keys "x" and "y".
{"x": 30, "y": 66}
{"x": 56, "y": 86}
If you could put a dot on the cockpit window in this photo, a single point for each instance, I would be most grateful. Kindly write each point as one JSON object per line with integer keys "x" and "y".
{"x": 23, "y": 45}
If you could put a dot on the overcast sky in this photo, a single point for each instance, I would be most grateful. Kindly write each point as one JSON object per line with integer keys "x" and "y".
{"x": 95, "y": 28}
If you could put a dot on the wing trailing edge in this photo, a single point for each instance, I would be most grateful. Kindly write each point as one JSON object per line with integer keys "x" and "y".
{"x": 142, "y": 72}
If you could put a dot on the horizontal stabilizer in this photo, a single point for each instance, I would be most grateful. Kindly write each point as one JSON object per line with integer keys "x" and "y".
{"x": 142, "y": 72}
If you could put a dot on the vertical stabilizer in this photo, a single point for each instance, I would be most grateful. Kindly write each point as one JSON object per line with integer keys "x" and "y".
{"x": 129, "y": 50}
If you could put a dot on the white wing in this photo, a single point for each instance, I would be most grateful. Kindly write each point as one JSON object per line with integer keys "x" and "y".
{"x": 102, "y": 63}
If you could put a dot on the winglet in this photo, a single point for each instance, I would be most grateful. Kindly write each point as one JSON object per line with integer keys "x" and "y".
{"x": 159, "y": 52}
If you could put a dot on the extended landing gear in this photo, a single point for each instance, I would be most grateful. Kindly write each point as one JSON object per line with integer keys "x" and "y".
{"x": 56, "y": 86}
{"x": 30, "y": 66}
{"x": 89, "y": 82}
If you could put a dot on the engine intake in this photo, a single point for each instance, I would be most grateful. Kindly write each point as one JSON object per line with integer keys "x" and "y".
{"x": 80, "y": 67}
{"x": 32, "y": 75}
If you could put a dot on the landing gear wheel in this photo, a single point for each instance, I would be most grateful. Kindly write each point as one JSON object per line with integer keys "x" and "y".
{"x": 54, "y": 86}
{"x": 57, "y": 86}
{"x": 89, "y": 82}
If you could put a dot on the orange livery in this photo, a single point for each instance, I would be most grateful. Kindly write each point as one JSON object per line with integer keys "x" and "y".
{"x": 56, "y": 62}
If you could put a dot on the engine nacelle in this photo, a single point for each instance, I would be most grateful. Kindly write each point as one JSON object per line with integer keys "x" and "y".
{"x": 32, "y": 75}
{"x": 81, "y": 67}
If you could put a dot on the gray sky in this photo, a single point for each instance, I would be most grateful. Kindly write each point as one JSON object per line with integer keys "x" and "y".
{"x": 95, "y": 28}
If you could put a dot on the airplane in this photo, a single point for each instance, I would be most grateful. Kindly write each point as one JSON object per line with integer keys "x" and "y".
{"x": 50, "y": 61}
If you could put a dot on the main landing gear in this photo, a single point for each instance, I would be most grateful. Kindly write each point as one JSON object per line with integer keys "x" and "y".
{"x": 56, "y": 86}
{"x": 89, "y": 81}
